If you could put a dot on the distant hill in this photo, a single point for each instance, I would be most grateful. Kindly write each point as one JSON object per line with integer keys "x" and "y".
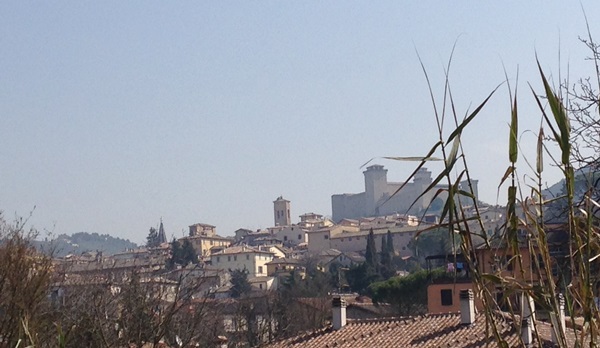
{"x": 81, "y": 242}
{"x": 585, "y": 178}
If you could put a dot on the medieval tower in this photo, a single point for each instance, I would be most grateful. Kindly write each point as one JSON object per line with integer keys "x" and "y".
{"x": 281, "y": 211}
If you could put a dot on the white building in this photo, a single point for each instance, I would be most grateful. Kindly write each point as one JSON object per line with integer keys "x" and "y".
{"x": 254, "y": 260}
{"x": 319, "y": 239}
{"x": 291, "y": 235}
{"x": 314, "y": 221}
{"x": 357, "y": 241}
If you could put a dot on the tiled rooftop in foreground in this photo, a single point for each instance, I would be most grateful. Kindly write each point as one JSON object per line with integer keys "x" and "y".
{"x": 432, "y": 330}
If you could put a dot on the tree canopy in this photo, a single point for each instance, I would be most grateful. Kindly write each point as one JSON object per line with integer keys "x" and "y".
{"x": 240, "y": 286}
{"x": 182, "y": 254}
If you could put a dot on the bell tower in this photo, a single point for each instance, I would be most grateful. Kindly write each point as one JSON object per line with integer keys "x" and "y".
{"x": 281, "y": 211}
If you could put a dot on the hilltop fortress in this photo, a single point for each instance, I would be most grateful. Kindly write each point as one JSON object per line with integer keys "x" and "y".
{"x": 372, "y": 202}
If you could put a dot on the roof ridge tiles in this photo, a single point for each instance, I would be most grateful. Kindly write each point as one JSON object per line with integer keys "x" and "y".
{"x": 378, "y": 320}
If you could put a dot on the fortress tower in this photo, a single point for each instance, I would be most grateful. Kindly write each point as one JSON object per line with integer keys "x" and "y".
{"x": 375, "y": 187}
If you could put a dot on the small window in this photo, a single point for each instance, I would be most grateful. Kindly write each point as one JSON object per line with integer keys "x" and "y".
{"x": 228, "y": 258}
{"x": 260, "y": 286}
{"x": 446, "y": 295}
{"x": 342, "y": 239}
{"x": 299, "y": 237}
{"x": 247, "y": 257}
{"x": 260, "y": 269}
{"x": 285, "y": 238}
{"x": 218, "y": 259}
{"x": 235, "y": 258}
{"x": 326, "y": 236}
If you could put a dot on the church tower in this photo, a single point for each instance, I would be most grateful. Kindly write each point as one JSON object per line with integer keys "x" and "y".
{"x": 281, "y": 211}
{"x": 162, "y": 237}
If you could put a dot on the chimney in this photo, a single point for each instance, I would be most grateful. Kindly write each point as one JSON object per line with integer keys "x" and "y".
{"x": 558, "y": 322}
{"x": 339, "y": 313}
{"x": 467, "y": 307}
{"x": 526, "y": 332}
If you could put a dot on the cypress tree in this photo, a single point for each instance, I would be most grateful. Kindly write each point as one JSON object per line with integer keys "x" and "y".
{"x": 188, "y": 254}
{"x": 390, "y": 244}
{"x": 371, "y": 252}
{"x": 386, "y": 257}
{"x": 152, "y": 238}
{"x": 175, "y": 254}
{"x": 240, "y": 285}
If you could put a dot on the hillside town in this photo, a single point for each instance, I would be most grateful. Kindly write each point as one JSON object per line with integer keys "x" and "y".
{"x": 250, "y": 285}
{"x": 325, "y": 174}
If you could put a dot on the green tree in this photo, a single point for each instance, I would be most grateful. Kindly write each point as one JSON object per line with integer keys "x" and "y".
{"x": 386, "y": 268}
{"x": 240, "y": 286}
{"x": 188, "y": 253}
{"x": 390, "y": 243}
{"x": 182, "y": 254}
{"x": 433, "y": 242}
{"x": 175, "y": 254}
{"x": 152, "y": 240}
{"x": 371, "y": 251}
{"x": 408, "y": 294}
{"x": 384, "y": 250}
{"x": 361, "y": 276}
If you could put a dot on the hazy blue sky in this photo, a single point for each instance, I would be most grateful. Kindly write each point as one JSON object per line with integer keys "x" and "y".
{"x": 117, "y": 113}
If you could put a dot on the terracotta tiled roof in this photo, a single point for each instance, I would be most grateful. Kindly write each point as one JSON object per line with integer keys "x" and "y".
{"x": 438, "y": 330}
{"x": 286, "y": 261}
{"x": 239, "y": 250}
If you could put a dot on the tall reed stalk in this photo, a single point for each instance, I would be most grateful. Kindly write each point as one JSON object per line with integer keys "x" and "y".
{"x": 525, "y": 225}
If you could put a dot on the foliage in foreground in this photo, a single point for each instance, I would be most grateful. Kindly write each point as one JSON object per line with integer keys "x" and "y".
{"x": 408, "y": 294}
{"x": 570, "y": 266}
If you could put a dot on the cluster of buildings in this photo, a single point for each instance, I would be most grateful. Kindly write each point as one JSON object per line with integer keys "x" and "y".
{"x": 264, "y": 253}
{"x": 268, "y": 255}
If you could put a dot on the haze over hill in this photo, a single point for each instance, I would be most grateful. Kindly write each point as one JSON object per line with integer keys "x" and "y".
{"x": 81, "y": 242}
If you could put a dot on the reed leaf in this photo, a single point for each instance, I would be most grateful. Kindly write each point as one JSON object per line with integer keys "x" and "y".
{"x": 509, "y": 171}
{"x": 434, "y": 183}
{"x": 407, "y": 159}
{"x": 414, "y": 159}
{"x": 513, "y": 148}
{"x": 454, "y": 151}
{"x": 561, "y": 118}
{"x": 539, "y": 163}
{"x": 466, "y": 194}
{"x": 544, "y": 115}
{"x": 492, "y": 278}
{"x": 469, "y": 118}
{"x": 421, "y": 164}
{"x": 512, "y": 202}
